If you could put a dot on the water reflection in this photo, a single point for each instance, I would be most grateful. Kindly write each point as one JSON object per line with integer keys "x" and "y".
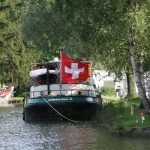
{"x": 76, "y": 137}
{"x": 16, "y": 135}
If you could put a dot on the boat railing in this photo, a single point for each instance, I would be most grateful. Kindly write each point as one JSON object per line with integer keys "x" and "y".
{"x": 70, "y": 92}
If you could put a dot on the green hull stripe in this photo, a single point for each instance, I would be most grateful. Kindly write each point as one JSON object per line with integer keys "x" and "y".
{"x": 61, "y": 99}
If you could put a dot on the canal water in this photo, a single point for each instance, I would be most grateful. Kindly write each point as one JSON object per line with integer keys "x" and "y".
{"x": 15, "y": 134}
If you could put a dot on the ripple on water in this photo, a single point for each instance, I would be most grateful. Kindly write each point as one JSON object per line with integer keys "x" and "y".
{"x": 15, "y": 134}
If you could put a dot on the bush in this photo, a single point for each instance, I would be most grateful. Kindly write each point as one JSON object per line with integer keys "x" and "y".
{"x": 112, "y": 115}
{"x": 108, "y": 90}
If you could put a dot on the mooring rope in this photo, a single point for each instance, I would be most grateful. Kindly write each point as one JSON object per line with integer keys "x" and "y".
{"x": 75, "y": 121}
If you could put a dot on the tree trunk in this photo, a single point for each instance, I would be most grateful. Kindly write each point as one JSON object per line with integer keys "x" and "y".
{"x": 12, "y": 79}
{"x": 138, "y": 77}
{"x": 131, "y": 93}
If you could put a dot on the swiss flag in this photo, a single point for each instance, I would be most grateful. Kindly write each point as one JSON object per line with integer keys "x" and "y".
{"x": 73, "y": 71}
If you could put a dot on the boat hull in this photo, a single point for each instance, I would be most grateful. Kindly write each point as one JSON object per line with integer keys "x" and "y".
{"x": 76, "y": 108}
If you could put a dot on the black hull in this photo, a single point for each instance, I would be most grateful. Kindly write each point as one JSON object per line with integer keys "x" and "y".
{"x": 75, "y": 111}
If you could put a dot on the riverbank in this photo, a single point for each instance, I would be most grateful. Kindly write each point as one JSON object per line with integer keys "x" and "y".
{"x": 16, "y": 100}
{"x": 124, "y": 117}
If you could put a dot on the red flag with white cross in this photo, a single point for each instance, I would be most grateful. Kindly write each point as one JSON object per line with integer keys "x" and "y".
{"x": 73, "y": 71}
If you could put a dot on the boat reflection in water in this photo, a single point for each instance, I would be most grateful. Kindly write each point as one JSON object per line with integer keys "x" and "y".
{"x": 76, "y": 137}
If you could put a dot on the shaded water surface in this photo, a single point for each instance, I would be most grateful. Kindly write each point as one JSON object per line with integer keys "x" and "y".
{"x": 15, "y": 134}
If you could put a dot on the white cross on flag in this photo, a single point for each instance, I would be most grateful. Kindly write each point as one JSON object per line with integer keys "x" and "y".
{"x": 73, "y": 71}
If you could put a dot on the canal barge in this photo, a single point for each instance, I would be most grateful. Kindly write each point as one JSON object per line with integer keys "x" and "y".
{"x": 52, "y": 97}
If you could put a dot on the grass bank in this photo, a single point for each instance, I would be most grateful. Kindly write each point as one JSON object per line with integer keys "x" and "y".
{"x": 123, "y": 116}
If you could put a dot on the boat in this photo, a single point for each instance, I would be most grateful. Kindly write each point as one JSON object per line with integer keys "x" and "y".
{"x": 51, "y": 98}
{"x": 6, "y": 95}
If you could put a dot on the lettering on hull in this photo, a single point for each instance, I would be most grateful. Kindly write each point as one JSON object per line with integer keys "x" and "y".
{"x": 60, "y": 99}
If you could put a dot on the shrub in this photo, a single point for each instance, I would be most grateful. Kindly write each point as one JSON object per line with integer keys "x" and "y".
{"x": 108, "y": 90}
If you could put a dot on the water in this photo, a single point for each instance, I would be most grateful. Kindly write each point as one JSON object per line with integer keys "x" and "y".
{"x": 15, "y": 134}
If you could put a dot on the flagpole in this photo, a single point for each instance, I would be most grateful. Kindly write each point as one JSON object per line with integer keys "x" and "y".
{"x": 48, "y": 84}
{"x": 60, "y": 86}
{"x": 60, "y": 66}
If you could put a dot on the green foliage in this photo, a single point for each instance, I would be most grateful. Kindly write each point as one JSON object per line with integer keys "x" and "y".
{"x": 112, "y": 114}
{"x": 108, "y": 91}
{"x": 12, "y": 48}
{"x": 95, "y": 30}
{"x": 100, "y": 31}
{"x": 135, "y": 100}
{"x": 16, "y": 56}
{"x": 46, "y": 31}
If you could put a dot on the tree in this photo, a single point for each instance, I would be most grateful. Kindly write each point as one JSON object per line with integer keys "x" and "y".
{"x": 15, "y": 56}
{"x": 121, "y": 25}
{"x": 11, "y": 44}
{"x": 138, "y": 50}
{"x": 102, "y": 30}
